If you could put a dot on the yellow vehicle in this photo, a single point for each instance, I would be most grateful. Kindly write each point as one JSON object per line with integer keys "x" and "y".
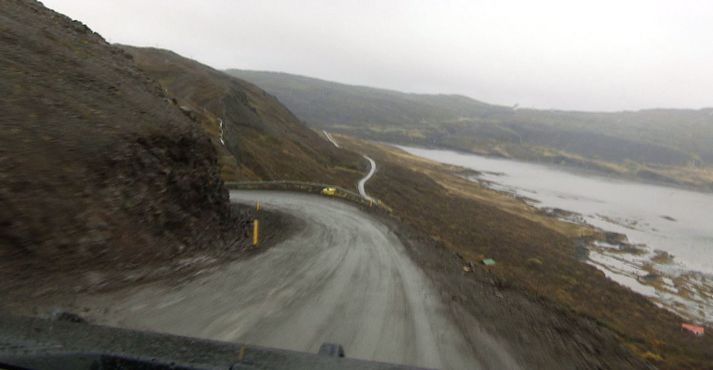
{"x": 329, "y": 191}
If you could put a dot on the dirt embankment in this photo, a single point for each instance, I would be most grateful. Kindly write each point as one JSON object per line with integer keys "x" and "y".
{"x": 541, "y": 334}
{"x": 100, "y": 172}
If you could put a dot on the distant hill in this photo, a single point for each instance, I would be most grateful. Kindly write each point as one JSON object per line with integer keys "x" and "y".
{"x": 262, "y": 140}
{"x": 328, "y": 103}
{"x": 668, "y": 145}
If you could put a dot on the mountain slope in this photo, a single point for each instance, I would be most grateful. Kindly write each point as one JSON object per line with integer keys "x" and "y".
{"x": 329, "y": 103}
{"x": 99, "y": 170}
{"x": 267, "y": 141}
{"x": 669, "y": 145}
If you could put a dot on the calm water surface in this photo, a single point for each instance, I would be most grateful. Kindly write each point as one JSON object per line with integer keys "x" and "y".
{"x": 677, "y": 221}
{"x": 664, "y": 218}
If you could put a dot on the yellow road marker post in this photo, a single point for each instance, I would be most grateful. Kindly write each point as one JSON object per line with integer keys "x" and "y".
{"x": 256, "y": 231}
{"x": 257, "y": 206}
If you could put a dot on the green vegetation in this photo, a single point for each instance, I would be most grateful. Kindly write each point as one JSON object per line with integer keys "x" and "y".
{"x": 673, "y": 146}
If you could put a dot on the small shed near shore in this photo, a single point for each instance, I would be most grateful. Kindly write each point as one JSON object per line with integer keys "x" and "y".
{"x": 695, "y": 329}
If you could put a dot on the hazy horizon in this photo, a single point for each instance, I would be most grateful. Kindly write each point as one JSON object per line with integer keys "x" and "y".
{"x": 710, "y": 107}
{"x": 602, "y": 56}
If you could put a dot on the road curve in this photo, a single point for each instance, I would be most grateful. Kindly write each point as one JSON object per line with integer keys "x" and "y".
{"x": 343, "y": 277}
{"x": 366, "y": 178}
{"x": 221, "y": 131}
{"x": 330, "y": 138}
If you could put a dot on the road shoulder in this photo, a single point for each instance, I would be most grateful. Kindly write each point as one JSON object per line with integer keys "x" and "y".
{"x": 61, "y": 290}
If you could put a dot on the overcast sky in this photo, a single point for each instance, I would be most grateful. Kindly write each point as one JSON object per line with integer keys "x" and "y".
{"x": 567, "y": 54}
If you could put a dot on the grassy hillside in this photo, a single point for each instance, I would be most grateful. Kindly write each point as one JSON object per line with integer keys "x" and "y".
{"x": 99, "y": 170}
{"x": 262, "y": 139}
{"x": 674, "y": 146}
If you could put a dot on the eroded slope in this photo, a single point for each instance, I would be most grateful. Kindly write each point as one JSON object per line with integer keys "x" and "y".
{"x": 99, "y": 170}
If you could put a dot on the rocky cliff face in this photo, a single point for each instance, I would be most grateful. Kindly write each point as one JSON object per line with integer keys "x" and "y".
{"x": 98, "y": 168}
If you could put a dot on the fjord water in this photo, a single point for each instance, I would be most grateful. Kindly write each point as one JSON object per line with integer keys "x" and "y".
{"x": 657, "y": 218}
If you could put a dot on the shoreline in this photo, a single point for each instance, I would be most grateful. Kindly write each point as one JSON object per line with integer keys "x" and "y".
{"x": 574, "y": 169}
{"x": 669, "y": 284}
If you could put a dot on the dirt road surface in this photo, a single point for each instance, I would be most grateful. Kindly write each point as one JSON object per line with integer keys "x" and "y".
{"x": 331, "y": 139}
{"x": 343, "y": 277}
{"x": 362, "y": 182}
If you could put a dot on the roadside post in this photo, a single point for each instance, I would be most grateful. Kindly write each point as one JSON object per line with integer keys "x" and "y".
{"x": 256, "y": 230}
{"x": 257, "y": 206}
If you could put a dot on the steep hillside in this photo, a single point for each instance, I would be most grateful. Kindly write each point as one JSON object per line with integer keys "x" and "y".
{"x": 99, "y": 170}
{"x": 265, "y": 139}
{"x": 674, "y": 146}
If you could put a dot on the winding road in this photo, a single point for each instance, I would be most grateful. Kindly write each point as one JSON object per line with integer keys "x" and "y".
{"x": 220, "y": 125}
{"x": 362, "y": 182}
{"x": 366, "y": 178}
{"x": 331, "y": 139}
{"x": 343, "y": 277}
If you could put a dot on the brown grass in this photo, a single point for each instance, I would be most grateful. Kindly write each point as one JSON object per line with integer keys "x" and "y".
{"x": 478, "y": 222}
{"x": 263, "y": 140}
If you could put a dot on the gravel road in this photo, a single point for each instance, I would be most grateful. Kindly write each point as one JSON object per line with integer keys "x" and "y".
{"x": 343, "y": 277}
{"x": 362, "y": 182}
